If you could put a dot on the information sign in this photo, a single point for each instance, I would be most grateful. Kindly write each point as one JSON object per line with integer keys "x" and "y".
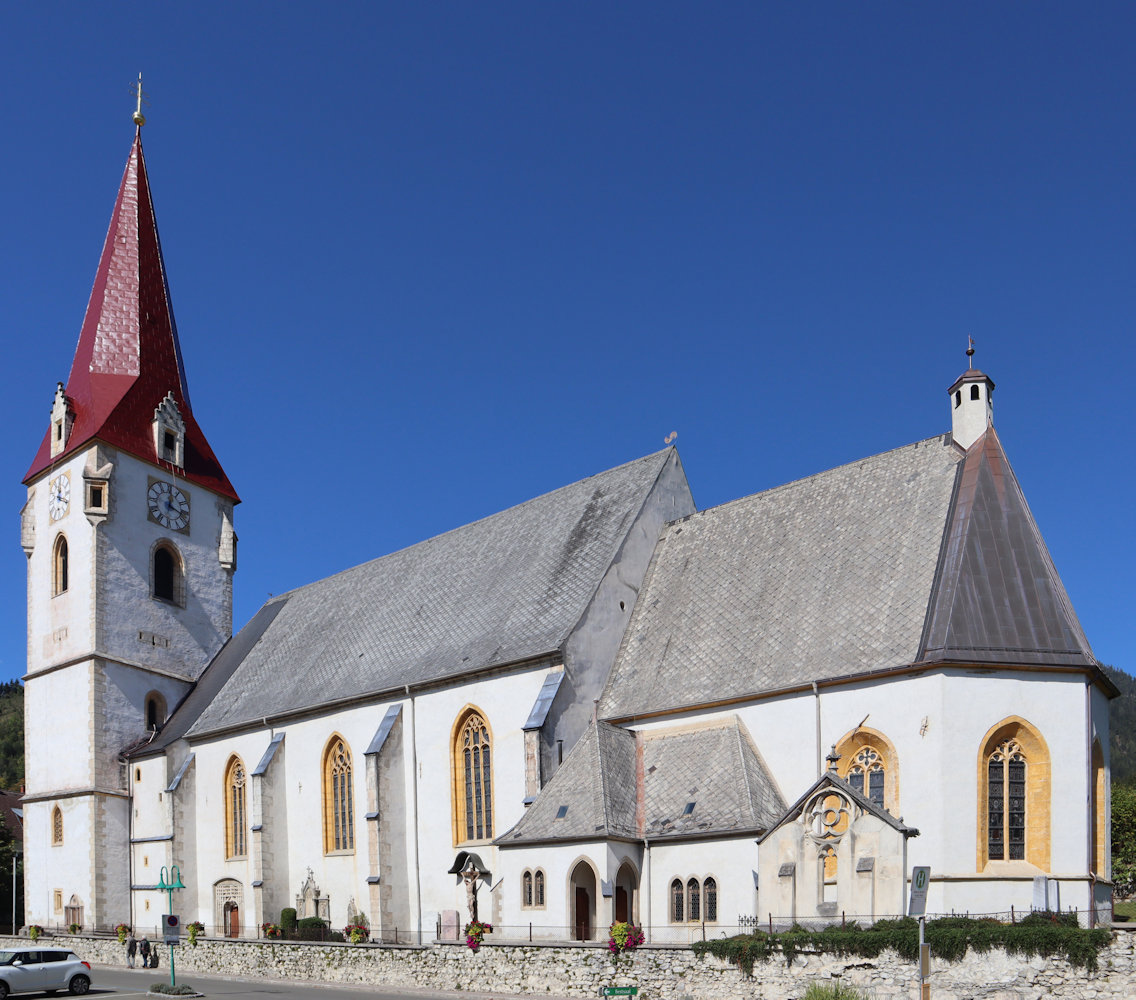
{"x": 917, "y": 904}
{"x": 619, "y": 991}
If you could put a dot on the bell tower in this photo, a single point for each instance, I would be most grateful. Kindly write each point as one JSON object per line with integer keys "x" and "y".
{"x": 128, "y": 532}
{"x": 972, "y": 407}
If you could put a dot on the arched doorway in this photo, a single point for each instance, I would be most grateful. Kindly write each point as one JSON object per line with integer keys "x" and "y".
{"x": 227, "y": 898}
{"x": 232, "y": 920}
{"x": 626, "y": 893}
{"x": 582, "y": 898}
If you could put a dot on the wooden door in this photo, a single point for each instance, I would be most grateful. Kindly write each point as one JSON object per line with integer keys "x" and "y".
{"x": 621, "y": 908}
{"x": 583, "y": 914}
{"x": 234, "y": 928}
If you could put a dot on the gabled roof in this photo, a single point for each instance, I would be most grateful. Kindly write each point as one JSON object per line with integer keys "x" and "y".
{"x": 675, "y": 783}
{"x": 509, "y": 588}
{"x": 997, "y": 596}
{"x": 128, "y": 357}
{"x": 830, "y": 779}
{"x": 824, "y": 577}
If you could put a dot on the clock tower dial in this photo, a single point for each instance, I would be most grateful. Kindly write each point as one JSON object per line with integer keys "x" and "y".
{"x": 167, "y": 505}
{"x": 59, "y": 496}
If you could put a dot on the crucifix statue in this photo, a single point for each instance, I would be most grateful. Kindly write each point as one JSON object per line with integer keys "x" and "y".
{"x": 470, "y": 874}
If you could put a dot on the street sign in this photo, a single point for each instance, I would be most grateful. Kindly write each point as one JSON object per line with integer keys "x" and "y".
{"x": 170, "y": 925}
{"x": 917, "y": 904}
{"x": 619, "y": 991}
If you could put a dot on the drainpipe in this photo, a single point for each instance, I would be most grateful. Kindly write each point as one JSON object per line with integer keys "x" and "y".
{"x": 414, "y": 807}
{"x": 1092, "y": 810}
{"x": 816, "y": 698}
{"x": 645, "y": 883}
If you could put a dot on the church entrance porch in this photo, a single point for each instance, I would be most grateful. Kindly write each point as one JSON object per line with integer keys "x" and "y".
{"x": 227, "y": 898}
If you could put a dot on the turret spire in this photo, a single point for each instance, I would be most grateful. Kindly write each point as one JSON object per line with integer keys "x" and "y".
{"x": 972, "y": 409}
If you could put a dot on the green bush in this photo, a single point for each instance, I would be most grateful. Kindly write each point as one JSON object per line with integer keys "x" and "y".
{"x": 288, "y": 919}
{"x": 832, "y": 991}
{"x": 949, "y": 937}
{"x": 312, "y": 929}
{"x": 181, "y": 990}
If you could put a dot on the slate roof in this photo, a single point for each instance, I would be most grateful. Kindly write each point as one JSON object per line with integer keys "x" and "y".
{"x": 998, "y": 597}
{"x": 823, "y": 577}
{"x": 128, "y": 356}
{"x": 501, "y": 590}
{"x": 923, "y": 554}
{"x": 604, "y": 793}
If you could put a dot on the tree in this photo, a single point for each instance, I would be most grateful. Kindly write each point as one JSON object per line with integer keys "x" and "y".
{"x": 1123, "y": 839}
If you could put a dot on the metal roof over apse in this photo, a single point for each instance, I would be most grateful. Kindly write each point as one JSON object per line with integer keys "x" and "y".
{"x": 501, "y": 590}
{"x": 825, "y": 577}
{"x": 998, "y": 597}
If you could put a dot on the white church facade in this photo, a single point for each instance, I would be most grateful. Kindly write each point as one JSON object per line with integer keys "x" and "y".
{"x": 599, "y": 704}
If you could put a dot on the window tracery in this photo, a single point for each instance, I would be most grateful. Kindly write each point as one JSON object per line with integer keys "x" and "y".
{"x": 235, "y": 842}
{"x": 338, "y": 808}
{"x": 1006, "y": 798}
{"x": 473, "y": 779}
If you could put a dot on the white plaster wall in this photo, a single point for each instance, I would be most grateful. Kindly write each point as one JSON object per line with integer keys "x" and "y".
{"x": 553, "y": 922}
{"x": 151, "y": 815}
{"x": 47, "y": 867}
{"x": 57, "y": 710}
{"x": 731, "y": 862}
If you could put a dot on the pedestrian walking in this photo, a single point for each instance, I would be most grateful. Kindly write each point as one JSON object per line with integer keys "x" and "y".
{"x": 131, "y": 949}
{"x": 144, "y": 951}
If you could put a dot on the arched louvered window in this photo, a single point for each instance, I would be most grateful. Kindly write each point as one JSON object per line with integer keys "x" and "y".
{"x": 473, "y": 779}
{"x": 167, "y": 577}
{"x": 338, "y": 808}
{"x": 235, "y": 816}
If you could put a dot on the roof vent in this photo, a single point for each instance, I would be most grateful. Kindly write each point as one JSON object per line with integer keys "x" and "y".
{"x": 689, "y": 809}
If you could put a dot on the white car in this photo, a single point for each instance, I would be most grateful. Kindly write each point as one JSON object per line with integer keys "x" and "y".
{"x": 43, "y": 969}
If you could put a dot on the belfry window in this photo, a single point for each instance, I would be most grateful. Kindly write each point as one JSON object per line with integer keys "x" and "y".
{"x": 338, "y": 808}
{"x": 473, "y": 779}
{"x": 167, "y": 579}
{"x": 235, "y": 843}
{"x": 59, "y": 567}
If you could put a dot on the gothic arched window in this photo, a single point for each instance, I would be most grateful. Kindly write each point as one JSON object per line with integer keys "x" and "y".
{"x": 710, "y": 899}
{"x": 473, "y": 779}
{"x": 56, "y": 827}
{"x": 538, "y": 890}
{"x": 338, "y": 808}
{"x": 235, "y": 842}
{"x": 167, "y": 579}
{"x": 869, "y": 763}
{"x": 527, "y": 888}
{"x": 59, "y": 567}
{"x": 1014, "y": 795}
{"x": 677, "y": 909}
{"x": 693, "y": 900}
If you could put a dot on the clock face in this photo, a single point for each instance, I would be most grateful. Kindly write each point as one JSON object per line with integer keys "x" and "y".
{"x": 168, "y": 505}
{"x": 59, "y": 496}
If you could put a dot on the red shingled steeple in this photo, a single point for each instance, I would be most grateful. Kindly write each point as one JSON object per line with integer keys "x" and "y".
{"x": 128, "y": 358}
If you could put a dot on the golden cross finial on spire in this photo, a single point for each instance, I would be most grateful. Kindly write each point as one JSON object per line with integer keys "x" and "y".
{"x": 136, "y": 90}
{"x": 970, "y": 353}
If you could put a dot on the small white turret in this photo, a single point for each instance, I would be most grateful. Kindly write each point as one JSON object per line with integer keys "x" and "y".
{"x": 972, "y": 409}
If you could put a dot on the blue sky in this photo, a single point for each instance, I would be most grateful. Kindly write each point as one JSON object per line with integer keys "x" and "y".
{"x": 430, "y": 260}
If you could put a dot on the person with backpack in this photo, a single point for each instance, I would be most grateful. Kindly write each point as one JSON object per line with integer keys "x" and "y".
{"x": 144, "y": 951}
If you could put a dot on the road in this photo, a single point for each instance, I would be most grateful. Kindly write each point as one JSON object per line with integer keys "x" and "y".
{"x": 121, "y": 982}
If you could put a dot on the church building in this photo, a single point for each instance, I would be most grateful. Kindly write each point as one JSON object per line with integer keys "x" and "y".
{"x": 600, "y": 704}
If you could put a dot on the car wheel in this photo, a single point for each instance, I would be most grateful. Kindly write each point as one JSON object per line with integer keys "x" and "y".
{"x": 3, "y": 989}
{"x": 79, "y": 984}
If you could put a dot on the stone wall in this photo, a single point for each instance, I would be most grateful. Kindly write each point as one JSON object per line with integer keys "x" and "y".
{"x": 660, "y": 973}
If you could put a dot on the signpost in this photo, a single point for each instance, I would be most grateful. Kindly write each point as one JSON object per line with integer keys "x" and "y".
{"x": 917, "y": 907}
{"x": 619, "y": 991}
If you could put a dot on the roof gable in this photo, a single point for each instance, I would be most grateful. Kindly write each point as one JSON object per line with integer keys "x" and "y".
{"x": 998, "y": 597}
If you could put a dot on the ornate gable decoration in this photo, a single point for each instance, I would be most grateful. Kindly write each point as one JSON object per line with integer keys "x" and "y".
{"x": 169, "y": 432}
{"x": 62, "y": 417}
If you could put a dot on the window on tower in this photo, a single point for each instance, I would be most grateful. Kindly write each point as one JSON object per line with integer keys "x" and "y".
{"x": 155, "y": 711}
{"x": 59, "y": 567}
{"x": 167, "y": 578}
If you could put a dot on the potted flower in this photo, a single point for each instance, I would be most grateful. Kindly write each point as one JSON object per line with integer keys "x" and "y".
{"x": 195, "y": 928}
{"x": 624, "y": 937}
{"x": 271, "y": 930}
{"x": 475, "y": 930}
{"x": 121, "y": 930}
{"x": 74, "y": 928}
{"x": 34, "y": 931}
{"x": 356, "y": 932}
